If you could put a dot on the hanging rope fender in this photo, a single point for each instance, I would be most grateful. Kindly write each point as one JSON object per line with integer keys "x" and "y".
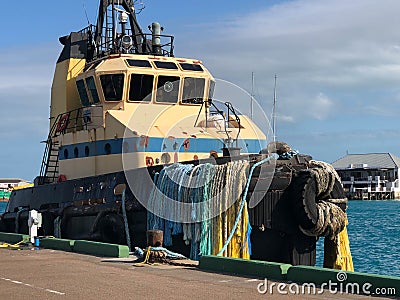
{"x": 330, "y": 211}
{"x": 239, "y": 214}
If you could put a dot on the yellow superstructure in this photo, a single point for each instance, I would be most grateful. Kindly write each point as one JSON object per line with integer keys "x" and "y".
{"x": 63, "y": 91}
{"x": 116, "y": 127}
{"x": 121, "y": 100}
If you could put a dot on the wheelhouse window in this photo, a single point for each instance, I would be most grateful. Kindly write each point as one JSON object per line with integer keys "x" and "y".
{"x": 92, "y": 89}
{"x": 191, "y": 67}
{"x": 138, "y": 63}
{"x": 82, "y": 93}
{"x": 166, "y": 65}
{"x": 211, "y": 90}
{"x": 141, "y": 87}
{"x": 168, "y": 89}
{"x": 193, "y": 90}
{"x": 113, "y": 86}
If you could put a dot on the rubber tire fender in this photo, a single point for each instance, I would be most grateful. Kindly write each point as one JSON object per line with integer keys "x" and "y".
{"x": 111, "y": 229}
{"x": 338, "y": 193}
{"x": 47, "y": 223}
{"x": 303, "y": 193}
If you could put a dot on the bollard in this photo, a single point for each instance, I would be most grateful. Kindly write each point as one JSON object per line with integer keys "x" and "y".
{"x": 155, "y": 238}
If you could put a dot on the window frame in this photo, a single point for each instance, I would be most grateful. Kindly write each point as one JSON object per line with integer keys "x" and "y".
{"x": 123, "y": 86}
{"x": 211, "y": 83}
{"x": 84, "y": 89}
{"x": 156, "y": 89}
{"x": 191, "y": 70}
{"x": 90, "y": 90}
{"x": 183, "y": 89}
{"x": 166, "y": 62}
{"x": 129, "y": 88}
{"x": 141, "y": 67}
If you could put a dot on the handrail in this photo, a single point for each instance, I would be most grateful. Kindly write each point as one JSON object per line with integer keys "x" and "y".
{"x": 73, "y": 122}
{"x": 104, "y": 48}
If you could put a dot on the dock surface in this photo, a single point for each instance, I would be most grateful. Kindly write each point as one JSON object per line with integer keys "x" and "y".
{"x": 50, "y": 274}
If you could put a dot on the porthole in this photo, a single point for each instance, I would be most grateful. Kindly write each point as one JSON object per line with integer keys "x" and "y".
{"x": 66, "y": 154}
{"x": 87, "y": 151}
{"x": 125, "y": 147}
{"x": 107, "y": 148}
{"x": 76, "y": 152}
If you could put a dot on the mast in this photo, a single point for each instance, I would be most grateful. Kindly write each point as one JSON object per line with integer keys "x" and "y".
{"x": 252, "y": 95}
{"x": 274, "y": 113}
{"x": 100, "y": 36}
{"x": 114, "y": 29}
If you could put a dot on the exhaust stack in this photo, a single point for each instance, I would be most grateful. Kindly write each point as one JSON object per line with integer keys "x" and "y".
{"x": 156, "y": 39}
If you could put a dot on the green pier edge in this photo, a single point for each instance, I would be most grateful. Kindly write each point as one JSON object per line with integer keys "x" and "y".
{"x": 77, "y": 246}
{"x": 235, "y": 266}
{"x": 296, "y": 274}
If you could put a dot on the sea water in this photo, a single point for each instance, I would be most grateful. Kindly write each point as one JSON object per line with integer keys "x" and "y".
{"x": 374, "y": 233}
{"x": 3, "y": 206}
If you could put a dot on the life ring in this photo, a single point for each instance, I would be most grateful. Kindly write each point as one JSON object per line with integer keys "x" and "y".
{"x": 61, "y": 178}
{"x": 62, "y": 123}
{"x": 149, "y": 161}
{"x": 186, "y": 144}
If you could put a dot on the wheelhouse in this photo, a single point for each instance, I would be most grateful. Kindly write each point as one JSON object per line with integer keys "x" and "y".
{"x": 125, "y": 79}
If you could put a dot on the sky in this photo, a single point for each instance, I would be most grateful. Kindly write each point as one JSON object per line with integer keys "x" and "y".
{"x": 337, "y": 64}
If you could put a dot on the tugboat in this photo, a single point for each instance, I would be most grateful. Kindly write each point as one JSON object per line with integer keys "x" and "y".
{"x": 124, "y": 112}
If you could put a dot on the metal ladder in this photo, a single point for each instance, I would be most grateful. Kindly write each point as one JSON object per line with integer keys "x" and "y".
{"x": 49, "y": 168}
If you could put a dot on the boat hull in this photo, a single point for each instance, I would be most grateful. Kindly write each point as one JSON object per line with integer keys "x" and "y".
{"x": 87, "y": 208}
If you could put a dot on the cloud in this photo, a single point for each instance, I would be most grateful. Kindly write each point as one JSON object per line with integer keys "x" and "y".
{"x": 321, "y": 107}
{"x": 25, "y": 82}
{"x": 338, "y": 67}
{"x": 285, "y": 118}
{"x": 337, "y": 64}
{"x": 328, "y": 47}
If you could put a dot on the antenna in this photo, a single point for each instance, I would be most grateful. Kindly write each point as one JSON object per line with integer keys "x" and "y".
{"x": 87, "y": 18}
{"x": 274, "y": 113}
{"x": 252, "y": 95}
{"x": 142, "y": 6}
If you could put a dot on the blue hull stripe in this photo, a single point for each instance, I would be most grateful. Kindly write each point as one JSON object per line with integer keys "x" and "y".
{"x": 152, "y": 144}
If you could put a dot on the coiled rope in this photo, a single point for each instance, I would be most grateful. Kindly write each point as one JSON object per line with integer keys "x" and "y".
{"x": 331, "y": 218}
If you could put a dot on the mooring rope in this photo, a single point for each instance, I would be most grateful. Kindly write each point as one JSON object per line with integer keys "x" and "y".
{"x": 331, "y": 218}
{"x": 243, "y": 202}
{"x": 206, "y": 189}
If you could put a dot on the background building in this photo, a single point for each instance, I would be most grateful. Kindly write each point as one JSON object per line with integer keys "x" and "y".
{"x": 370, "y": 176}
{"x": 7, "y": 183}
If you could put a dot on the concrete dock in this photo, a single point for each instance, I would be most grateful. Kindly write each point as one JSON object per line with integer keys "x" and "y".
{"x": 51, "y": 274}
